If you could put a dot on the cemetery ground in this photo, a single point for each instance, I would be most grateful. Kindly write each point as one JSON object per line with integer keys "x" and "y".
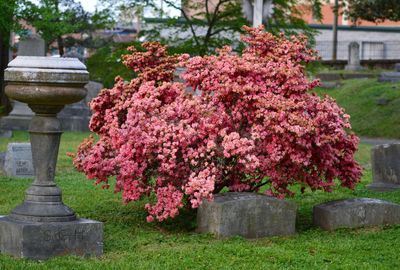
{"x": 132, "y": 243}
{"x": 374, "y": 107}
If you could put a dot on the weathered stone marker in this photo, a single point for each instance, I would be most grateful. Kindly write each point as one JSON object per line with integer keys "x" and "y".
{"x": 18, "y": 160}
{"x": 32, "y": 46}
{"x": 392, "y": 76}
{"x": 5, "y": 133}
{"x": 385, "y": 161}
{"x": 354, "y": 57}
{"x": 42, "y": 226}
{"x": 76, "y": 117}
{"x": 354, "y": 213}
{"x": 21, "y": 115}
{"x": 246, "y": 214}
{"x": 2, "y": 161}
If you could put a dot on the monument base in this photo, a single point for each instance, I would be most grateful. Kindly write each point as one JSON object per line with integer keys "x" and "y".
{"x": 354, "y": 68}
{"x": 383, "y": 187}
{"x": 40, "y": 241}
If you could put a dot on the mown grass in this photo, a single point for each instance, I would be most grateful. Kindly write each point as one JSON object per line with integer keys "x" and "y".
{"x": 368, "y": 118}
{"x": 131, "y": 243}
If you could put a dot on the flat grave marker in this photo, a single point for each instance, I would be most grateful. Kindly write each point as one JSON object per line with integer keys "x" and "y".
{"x": 18, "y": 160}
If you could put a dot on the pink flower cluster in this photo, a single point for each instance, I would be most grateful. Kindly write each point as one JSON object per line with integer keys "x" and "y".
{"x": 255, "y": 124}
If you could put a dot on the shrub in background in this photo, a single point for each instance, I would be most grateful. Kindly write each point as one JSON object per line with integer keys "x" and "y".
{"x": 255, "y": 124}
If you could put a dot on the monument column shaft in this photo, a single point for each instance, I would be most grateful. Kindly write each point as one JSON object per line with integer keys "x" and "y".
{"x": 45, "y": 133}
{"x": 43, "y": 201}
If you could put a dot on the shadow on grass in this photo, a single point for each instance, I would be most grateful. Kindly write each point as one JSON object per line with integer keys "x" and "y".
{"x": 184, "y": 222}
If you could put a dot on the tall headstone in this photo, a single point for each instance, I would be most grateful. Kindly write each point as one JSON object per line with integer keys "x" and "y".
{"x": 354, "y": 57}
{"x": 385, "y": 161}
{"x": 21, "y": 115}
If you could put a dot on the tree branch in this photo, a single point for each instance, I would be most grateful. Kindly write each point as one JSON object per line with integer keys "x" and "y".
{"x": 207, "y": 12}
{"x": 195, "y": 37}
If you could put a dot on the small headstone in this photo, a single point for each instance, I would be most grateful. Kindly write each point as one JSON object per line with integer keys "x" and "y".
{"x": 389, "y": 77}
{"x": 355, "y": 213}
{"x": 382, "y": 101}
{"x": 385, "y": 161}
{"x": 32, "y": 46}
{"x": 5, "y": 133}
{"x": 331, "y": 85}
{"x": 76, "y": 116}
{"x": 93, "y": 89}
{"x": 250, "y": 215}
{"x": 188, "y": 89}
{"x": 75, "y": 52}
{"x": 18, "y": 160}
{"x": 354, "y": 57}
{"x": 393, "y": 76}
{"x": 2, "y": 161}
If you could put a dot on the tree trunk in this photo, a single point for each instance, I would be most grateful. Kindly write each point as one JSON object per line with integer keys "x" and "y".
{"x": 334, "y": 30}
{"x": 4, "y": 58}
{"x": 258, "y": 13}
{"x": 60, "y": 46}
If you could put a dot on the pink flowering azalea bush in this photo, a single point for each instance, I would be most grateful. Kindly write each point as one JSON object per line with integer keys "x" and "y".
{"x": 255, "y": 124}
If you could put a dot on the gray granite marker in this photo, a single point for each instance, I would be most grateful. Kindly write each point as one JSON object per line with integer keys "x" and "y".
{"x": 18, "y": 160}
{"x": 385, "y": 161}
{"x": 32, "y": 46}
{"x": 354, "y": 57}
{"x": 5, "y": 133}
{"x": 250, "y": 215}
{"x": 2, "y": 161}
{"x": 355, "y": 213}
{"x": 390, "y": 76}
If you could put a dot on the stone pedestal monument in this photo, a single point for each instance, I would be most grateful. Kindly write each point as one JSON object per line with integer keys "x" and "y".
{"x": 42, "y": 226}
{"x": 354, "y": 57}
{"x": 74, "y": 117}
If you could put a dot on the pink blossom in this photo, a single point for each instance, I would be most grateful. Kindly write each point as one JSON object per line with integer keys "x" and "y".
{"x": 255, "y": 124}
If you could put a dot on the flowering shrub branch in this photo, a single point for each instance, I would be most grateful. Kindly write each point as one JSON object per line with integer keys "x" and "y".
{"x": 255, "y": 124}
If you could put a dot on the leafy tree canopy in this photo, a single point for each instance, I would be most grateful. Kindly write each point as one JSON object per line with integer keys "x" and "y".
{"x": 373, "y": 10}
{"x": 55, "y": 18}
{"x": 211, "y": 24}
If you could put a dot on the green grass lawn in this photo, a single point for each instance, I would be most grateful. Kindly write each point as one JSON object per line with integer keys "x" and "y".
{"x": 131, "y": 243}
{"x": 359, "y": 98}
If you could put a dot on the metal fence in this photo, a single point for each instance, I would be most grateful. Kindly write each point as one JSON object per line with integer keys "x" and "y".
{"x": 369, "y": 50}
